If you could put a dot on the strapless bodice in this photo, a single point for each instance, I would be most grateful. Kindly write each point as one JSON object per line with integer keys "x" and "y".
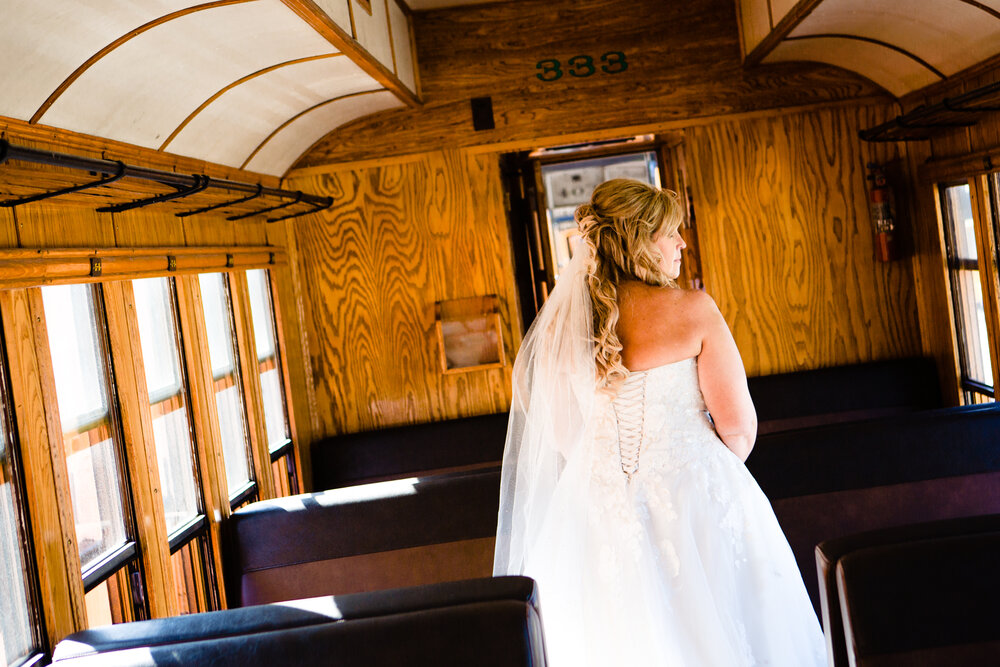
{"x": 656, "y": 412}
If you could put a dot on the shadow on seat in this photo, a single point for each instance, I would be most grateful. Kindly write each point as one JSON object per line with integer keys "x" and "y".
{"x": 921, "y": 594}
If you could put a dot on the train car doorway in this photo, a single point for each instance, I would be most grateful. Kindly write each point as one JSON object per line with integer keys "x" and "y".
{"x": 543, "y": 188}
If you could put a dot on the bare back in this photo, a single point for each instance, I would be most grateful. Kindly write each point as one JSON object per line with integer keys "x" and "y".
{"x": 659, "y": 326}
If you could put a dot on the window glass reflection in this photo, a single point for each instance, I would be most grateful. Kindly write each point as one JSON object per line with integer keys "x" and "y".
{"x": 158, "y": 334}
{"x": 228, "y": 391}
{"x": 78, "y": 364}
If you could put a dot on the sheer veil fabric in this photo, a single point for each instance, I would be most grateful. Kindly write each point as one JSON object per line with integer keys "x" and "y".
{"x": 554, "y": 390}
{"x": 680, "y": 562}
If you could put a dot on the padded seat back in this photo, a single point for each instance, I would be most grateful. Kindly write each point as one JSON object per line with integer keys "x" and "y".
{"x": 491, "y": 621}
{"x": 408, "y": 451}
{"x": 384, "y": 535}
{"x": 802, "y": 399}
{"x": 928, "y": 602}
{"x": 835, "y": 480}
{"x": 829, "y": 553}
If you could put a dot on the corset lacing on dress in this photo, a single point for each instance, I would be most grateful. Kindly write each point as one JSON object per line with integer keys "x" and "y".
{"x": 630, "y": 408}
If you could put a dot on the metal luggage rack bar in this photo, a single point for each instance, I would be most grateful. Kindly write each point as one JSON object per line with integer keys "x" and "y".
{"x": 184, "y": 184}
{"x": 923, "y": 122}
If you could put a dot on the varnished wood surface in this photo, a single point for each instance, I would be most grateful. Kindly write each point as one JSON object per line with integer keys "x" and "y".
{"x": 29, "y": 267}
{"x": 400, "y": 238}
{"x": 205, "y": 417}
{"x": 787, "y": 241}
{"x": 294, "y": 344}
{"x": 140, "y": 448}
{"x": 684, "y": 63}
{"x": 250, "y": 377}
{"x": 46, "y": 478}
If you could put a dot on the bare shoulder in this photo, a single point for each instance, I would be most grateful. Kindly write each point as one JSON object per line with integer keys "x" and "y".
{"x": 696, "y": 304}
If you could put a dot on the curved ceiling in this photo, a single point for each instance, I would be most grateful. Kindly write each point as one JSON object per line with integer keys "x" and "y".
{"x": 243, "y": 83}
{"x": 902, "y": 45}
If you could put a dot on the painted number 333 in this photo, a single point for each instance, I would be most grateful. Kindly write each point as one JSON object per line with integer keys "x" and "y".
{"x": 551, "y": 69}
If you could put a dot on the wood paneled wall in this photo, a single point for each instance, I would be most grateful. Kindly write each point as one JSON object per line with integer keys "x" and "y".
{"x": 787, "y": 240}
{"x": 400, "y": 237}
{"x": 683, "y": 62}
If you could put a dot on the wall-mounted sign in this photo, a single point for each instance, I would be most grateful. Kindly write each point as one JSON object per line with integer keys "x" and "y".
{"x": 582, "y": 66}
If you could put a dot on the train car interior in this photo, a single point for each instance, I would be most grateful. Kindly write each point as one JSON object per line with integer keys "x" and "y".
{"x": 265, "y": 267}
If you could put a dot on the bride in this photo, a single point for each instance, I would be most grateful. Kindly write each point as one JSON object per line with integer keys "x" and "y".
{"x": 623, "y": 492}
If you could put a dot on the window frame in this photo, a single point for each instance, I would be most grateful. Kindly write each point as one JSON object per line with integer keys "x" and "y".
{"x": 288, "y": 450}
{"x": 11, "y": 452}
{"x": 129, "y": 557}
{"x": 985, "y": 229}
{"x": 197, "y": 530}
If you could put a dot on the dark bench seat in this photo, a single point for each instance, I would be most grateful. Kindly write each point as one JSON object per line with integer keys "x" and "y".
{"x": 930, "y": 600}
{"x": 839, "y": 479}
{"x": 830, "y": 552}
{"x": 382, "y": 535}
{"x": 784, "y": 401}
{"x": 491, "y": 621}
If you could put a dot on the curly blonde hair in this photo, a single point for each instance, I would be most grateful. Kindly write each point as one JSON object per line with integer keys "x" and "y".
{"x": 619, "y": 226}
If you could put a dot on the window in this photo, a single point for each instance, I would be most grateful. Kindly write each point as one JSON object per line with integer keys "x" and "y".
{"x": 19, "y": 633}
{"x": 569, "y": 184}
{"x": 120, "y": 385}
{"x": 968, "y": 302}
{"x": 272, "y": 389}
{"x": 105, "y": 532}
{"x": 228, "y": 387}
{"x": 180, "y": 486}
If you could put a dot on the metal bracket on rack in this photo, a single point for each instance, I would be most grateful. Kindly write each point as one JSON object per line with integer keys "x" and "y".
{"x": 316, "y": 208}
{"x": 298, "y": 198}
{"x": 200, "y": 183}
{"x": 225, "y": 204}
{"x": 9, "y": 203}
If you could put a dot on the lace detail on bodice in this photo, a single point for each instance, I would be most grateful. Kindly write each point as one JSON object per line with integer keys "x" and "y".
{"x": 629, "y": 407}
{"x": 656, "y": 413}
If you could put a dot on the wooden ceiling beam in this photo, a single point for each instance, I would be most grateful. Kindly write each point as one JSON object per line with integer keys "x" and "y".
{"x": 785, "y": 26}
{"x": 319, "y": 21}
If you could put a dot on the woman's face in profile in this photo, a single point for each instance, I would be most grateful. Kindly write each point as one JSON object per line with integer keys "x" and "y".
{"x": 670, "y": 246}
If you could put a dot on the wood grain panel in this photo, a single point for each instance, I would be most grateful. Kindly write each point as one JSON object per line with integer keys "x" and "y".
{"x": 46, "y": 478}
{"x": 140, "y": 450}
{"x": 683, "y": 63}
{"x": 43, "y": 225}
{"x": 8, "y": 229}
{"x": 207, "y": 434}
{"x": 250, "y": 378}
{"x": 786, "y": 242}
{"x": 399, "y": 238}
{"x": 147, "y": 227}
{"x": 293, "y": 339}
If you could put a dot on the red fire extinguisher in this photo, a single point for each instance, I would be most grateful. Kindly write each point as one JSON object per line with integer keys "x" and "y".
{"x": 882, "y": 215}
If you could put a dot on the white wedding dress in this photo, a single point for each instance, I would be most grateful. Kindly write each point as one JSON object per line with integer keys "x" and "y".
{"x": 659, "y": 548}
{"x": 650, "y": 541}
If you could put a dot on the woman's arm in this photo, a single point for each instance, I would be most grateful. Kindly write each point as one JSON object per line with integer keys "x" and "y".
{"x": 723, "y": 381}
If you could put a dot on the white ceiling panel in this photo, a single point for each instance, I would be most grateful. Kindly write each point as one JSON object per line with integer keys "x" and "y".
{"x": 140, "y": 92}
{"x": 42, "y": 42}
{"x": 281, "y": 152}
{"x": 402, "y": 45}
{"x": 372, "y": 31}
{"x": 950, "y": 35}
{"x": 888, "y": 68}
{"x": 234, "y": 124}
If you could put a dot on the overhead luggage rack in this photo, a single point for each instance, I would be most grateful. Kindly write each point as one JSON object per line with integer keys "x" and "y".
{"x": 18, "y": 187}
{"x": 925, "y": 121}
